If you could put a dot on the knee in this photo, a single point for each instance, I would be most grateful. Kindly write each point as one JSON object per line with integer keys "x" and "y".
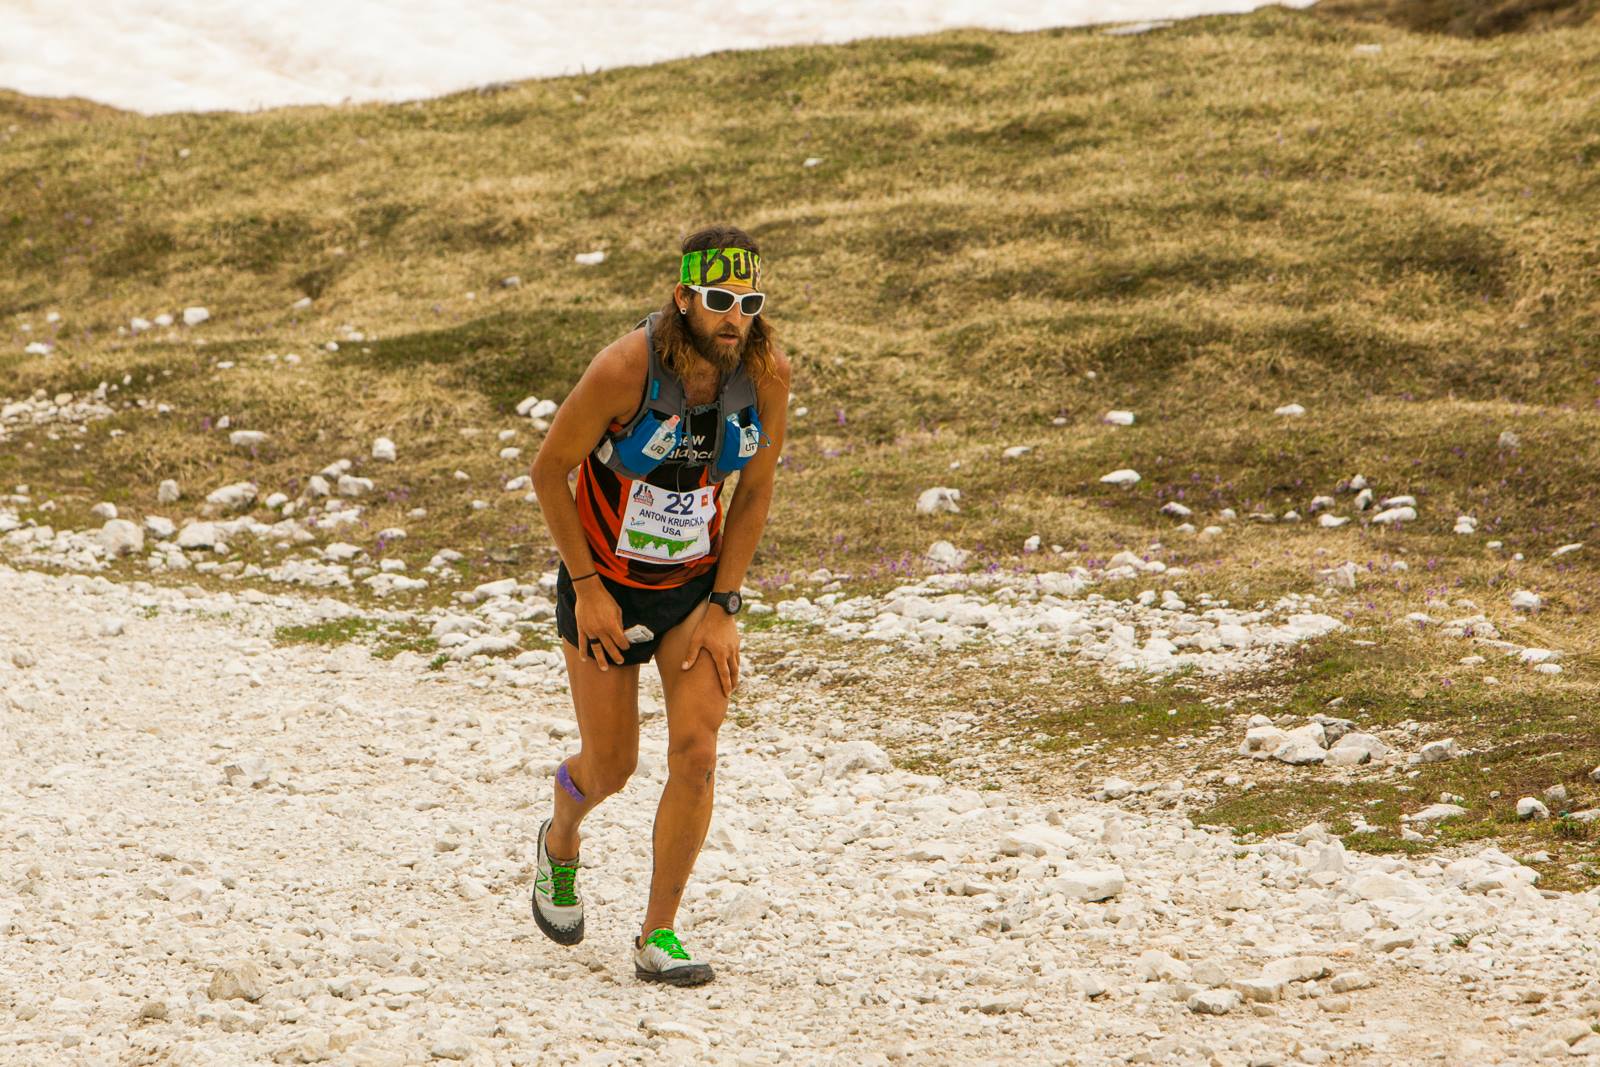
{"x": 607, "y": 773}
{"x": 694, "y": 760}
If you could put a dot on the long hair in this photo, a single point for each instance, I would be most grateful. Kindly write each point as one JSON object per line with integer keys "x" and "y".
{"x": 676, "y": 346}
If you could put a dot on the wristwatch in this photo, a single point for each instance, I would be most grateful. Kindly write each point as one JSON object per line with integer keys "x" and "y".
{"x": 729, "y": 602}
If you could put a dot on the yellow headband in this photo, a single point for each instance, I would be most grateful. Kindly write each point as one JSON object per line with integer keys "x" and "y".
{"x": 720, "y": 266}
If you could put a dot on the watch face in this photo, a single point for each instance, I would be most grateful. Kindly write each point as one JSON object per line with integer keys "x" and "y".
{"x": 734, "y": 602}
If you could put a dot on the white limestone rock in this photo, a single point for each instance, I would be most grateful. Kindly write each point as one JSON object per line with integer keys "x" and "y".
{"x": 194, "y": 316}
{"x": 1118, "y": 418}
{"x": 1087, "y": 884}
{"x": 237, "y": 981}
{"x": 1214, "y": 1001}
{"x": 1261, "y": 741}
{"x": 1389, "y": 516}
{"x": 1439, "y": 751}
{"x": 944, "y": 555}
{"x": 235, "y": 497}
{"x": 1124, "y": 477}
{"x": 383, "y": 450}
{"x": 938, "y": 500}
{"x": 247, "y": 439}
{"x": 352, "y": 486}
{"x": 1303, "y": 745}
{"x": 1523, "y": 600}
{"x": 198, "y": 535}
{"x": 119, "y": 537}
{"x": 1531, "y": 808}
{"x": 1434, "y": 813}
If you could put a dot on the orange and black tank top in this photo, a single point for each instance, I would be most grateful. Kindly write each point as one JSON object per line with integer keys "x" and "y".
{"x": 603, "y": 495}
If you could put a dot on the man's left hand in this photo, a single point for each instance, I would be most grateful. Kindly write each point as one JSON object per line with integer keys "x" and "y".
{"x": 717, "y": 635}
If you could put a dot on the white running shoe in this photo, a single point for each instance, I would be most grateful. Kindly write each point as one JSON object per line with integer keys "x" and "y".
{"x": 661, "y": 957}
{"x": 556, "y": 906}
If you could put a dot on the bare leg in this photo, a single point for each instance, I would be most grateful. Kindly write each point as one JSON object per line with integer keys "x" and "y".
{"x": 695, "y": 710}
{"x": 607, "y": 705}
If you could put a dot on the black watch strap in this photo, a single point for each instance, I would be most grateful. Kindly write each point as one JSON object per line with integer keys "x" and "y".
{"x": 730, "y": 602}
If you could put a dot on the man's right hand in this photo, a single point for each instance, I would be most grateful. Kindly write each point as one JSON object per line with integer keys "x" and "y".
{"x": 599, "y": 620}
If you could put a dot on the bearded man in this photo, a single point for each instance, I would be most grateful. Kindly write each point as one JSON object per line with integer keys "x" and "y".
{"x": 651, "y": 568}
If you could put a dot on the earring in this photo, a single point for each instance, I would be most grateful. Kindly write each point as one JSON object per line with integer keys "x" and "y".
{"x": 683, "y": 311}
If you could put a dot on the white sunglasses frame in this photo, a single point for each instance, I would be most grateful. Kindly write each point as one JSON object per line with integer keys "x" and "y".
{"x": 738, "y": 299}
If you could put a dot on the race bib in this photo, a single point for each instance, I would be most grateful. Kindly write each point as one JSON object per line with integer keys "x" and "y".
{"x": 662, "y": 526}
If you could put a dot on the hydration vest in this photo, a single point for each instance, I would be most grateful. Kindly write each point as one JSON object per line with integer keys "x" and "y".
{"x": 662, "y": 423}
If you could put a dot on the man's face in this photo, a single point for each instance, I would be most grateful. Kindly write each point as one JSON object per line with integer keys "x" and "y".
{"x": 719, "y": 338}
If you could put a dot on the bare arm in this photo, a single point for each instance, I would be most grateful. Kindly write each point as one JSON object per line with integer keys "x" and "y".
{"x": 716, "y": 634}
{"x": 608, "y": 391}
{"x": 747, "y": 515}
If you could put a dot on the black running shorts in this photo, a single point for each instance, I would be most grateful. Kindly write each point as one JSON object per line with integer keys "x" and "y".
{"x": 658, "y": 609}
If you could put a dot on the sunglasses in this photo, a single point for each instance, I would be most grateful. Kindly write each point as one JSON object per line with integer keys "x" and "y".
{"x": 721, "y": 300}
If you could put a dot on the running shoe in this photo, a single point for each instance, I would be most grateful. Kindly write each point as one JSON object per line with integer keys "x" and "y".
{"x": 556, "y": 905}
{"x": 661, "y": 957}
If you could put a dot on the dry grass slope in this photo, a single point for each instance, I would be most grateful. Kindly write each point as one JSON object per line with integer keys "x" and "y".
{"x": 1214, "y": 220}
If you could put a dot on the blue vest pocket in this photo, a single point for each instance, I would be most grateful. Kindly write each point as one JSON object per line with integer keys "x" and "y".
{"x": 650, "y": 442}
{"x": 740, "y": 440}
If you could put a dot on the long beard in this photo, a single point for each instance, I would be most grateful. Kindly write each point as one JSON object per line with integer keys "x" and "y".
{"x": 723, "y": 357}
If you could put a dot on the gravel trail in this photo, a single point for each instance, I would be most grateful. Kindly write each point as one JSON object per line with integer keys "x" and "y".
{"x": 192, "y": 812}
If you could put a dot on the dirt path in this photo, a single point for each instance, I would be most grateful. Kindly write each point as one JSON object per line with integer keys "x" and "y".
{"x": 184, "y": 796}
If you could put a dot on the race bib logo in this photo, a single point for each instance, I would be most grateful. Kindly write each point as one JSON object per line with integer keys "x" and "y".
{"x": 643, "y": 495}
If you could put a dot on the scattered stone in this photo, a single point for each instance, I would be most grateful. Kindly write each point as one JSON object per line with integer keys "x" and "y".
{"x": 1434, "y": 813}
{"x": 1214, "y": 1001}
{"x": 194, "y": 316}
{"x": 198, "y": 535}
{"x": 1301, "y": 746}
{"x": 1118, "y": 418}
{"x": 237, "y": 981}
{"x": 1439, "y": 751}
{"x": 1394, "y": 515}
{"x": 1523, "y": 600}
{"x": 1529, "y": 808}
{"x": 383, "y": 450}
{"x": 235, "y": 497}
{"x": 1122, "y": 477}
{"x": 1292, "y": 411}
{"x": 1087, "y": 884}
{"x": 451, "y": 1047}
{"x": 947, "y": 556}
{"x": 937, "y": 500}
{"x": 1114, "y": 788}
{"x": 119, "y": 537}
{"x": 247, "y": 439}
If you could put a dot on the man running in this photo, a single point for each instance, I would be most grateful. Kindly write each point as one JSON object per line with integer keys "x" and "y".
{"x": 651, "y": 569}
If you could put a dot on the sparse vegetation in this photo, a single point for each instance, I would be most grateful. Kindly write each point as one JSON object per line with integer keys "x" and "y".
{"x": 1198, "y": 224}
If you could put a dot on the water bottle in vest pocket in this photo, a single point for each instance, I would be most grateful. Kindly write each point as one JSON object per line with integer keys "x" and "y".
{"x": 650, "y": 442}
{"x": 740, "y": 441}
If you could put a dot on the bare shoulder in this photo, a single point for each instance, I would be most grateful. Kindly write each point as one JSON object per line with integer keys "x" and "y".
{"x": 616, "y": 375}
{"x": 781, "y": 374}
